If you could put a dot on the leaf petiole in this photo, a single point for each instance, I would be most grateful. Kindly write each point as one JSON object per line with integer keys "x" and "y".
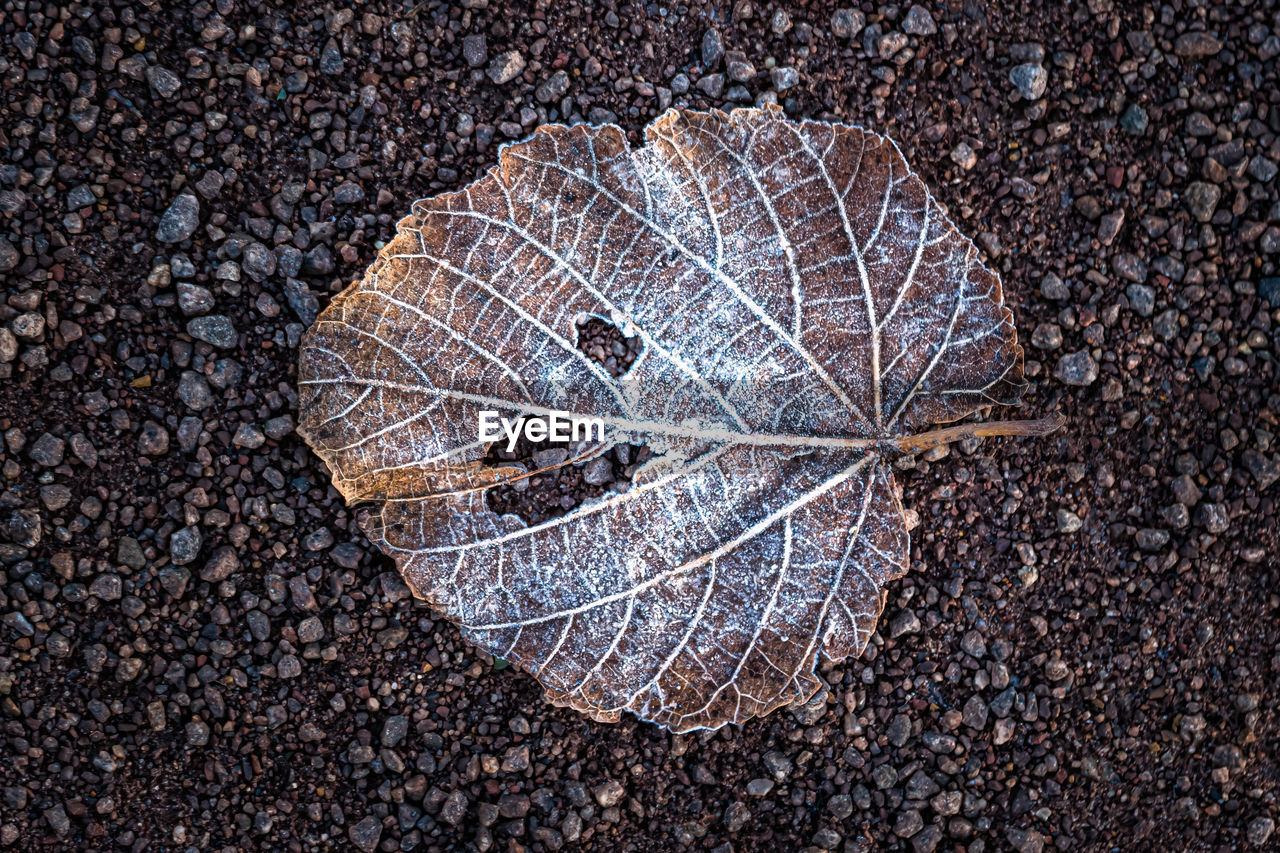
{"x": 924, "y": 441}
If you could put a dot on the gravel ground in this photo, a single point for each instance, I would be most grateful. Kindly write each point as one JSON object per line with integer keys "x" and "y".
{"x": 201, "y": 652}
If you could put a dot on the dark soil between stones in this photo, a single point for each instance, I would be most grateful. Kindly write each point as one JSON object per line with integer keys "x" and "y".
{"x": 200, "y": 651}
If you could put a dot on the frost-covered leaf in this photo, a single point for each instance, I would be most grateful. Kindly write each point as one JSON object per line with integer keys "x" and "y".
{"x": 804, "y": 309}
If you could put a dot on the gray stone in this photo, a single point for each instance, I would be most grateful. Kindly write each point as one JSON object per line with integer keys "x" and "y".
{"x": 609, "y": 793}
{"x": 919, "y": 22}
{"x": 318, "y": 539}
{"x": 550, "y": 457}
{"x": 331, "y": 61}
{"x": 81, "y": 196}
{"x": 1202, "y": 199}
{"x": 847, "y": 23}
{"x": 1134, "y": 120}
{"x": 1151, "y": 539}
{"x": 174, "y": 580}
{"x": 194, "y": 299}
{"x": 153, "y": 440}
{"x": 515, "y": 759}
{"x": 259, "y": 625}
{"x": 899, "y": 730}
{"x": 194, "y": 391}
{"x": 1047, "y": 336}
{"x": 1213, "y": 518}
{"x": 180, "y": 220}
{"x": 711, "y": 85}
{"x": 1054, "y": 288}
{"x": 1025, "y": 840}
{"x": 840, "y": 806}
{"x": 514, "y": 805}
{"x": 1077, "y": 368}
{"x": 905, "y": 622}
{"x": 1269, "y": 243}
{"x": 9, "y": 256}
{"x": 1265, "y": 471}
{"x": 598, "y": 471}
{"x": 107, "y": 586}
{"x": 129, "y": 552}
{"x": 740, "y": 70}
{"x": 197, "y": 733}
{"x": 258, "y": 261}
{"x": 1031, "y": 80}
{"x": 908, "y": 823}
{"x": 215, "y": 329}
{"x": 1142, "y": 299}
{"x": 222, "y": 565}
{"x": 288, "y": 260}
{"x": 826, "y": 839}
{"x": 974, "y": 644}
{"x": 475, "y": 50}
{"x": 736, "y": 816}
{"x": 311, "y": 630}
{"x": 184, "y": 545}
{"x": 921, "y": 786}
{"x": 1176, "y": 516}
{"x": 16, "y": 621}
{"x": 349, "y": 554}
{"x": 394, "y": 730}
{"x": 947, "y": 802}
{"x": 813, "y": 710}
{"x": 885, "y": 776}
{"x": 366, "y": 834}
{"x": 712, "y": 48}
{"x": 56, "y": 816}
{"x": 189, "y": 429}
{"x": 300, "y": 593}
{"x": 1166, "y": 325}
{"x": 249, "y": 436}
{"x": 1109, "y": 227}
{"x": 348, "y": 192}
{"x": 1262, "y": 169}
{"x": 28, "y": 325}
{"x": 1196, "y": 45}
{"x": 454, "y": 808}
{"x": 1269, "y": 291}
{"x": 938, "y": 743}
{"x": 784, "y": 78}
{"x": 964, "y": 156}
{"x": 1003, "y": 703}
{"x": 289, "y": 666}
{"x": 1259, "y": 830}
{"x": 301, "y": 300}
{"x": 47, "y": 451}
{"x": 163, "y": 81}
{"x": 210, "y": 184}
{"x": 553, "y": 88}
{"x": 506, "y": 67}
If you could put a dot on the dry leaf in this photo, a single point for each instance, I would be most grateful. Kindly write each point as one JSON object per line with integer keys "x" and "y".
{"x": 804, "y": 309}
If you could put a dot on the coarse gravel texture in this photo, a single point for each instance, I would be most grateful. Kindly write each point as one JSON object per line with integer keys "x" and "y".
{"x": 201, "y": 652}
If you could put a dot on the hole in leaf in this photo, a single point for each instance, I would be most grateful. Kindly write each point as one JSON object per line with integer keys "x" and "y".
{"x": 604, "y": 343}
{"x": 558, "y": 491}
